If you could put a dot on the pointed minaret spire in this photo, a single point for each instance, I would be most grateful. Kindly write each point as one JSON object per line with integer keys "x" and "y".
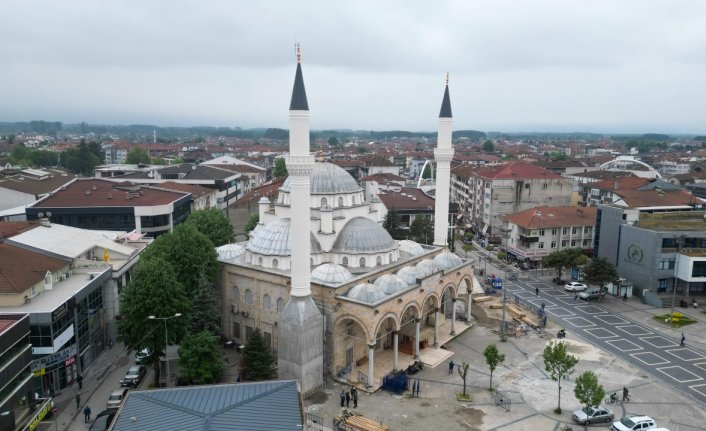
{"x": 443, "y": 153}
{"x": 446, "y": 103}
{"x": 299, "y": 102}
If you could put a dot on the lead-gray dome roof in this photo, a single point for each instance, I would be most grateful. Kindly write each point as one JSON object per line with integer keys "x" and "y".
{"x": 391, "y": 284}
{"x": 427, "y": 267}
{"x": 331, "y": 273}
{"x": 366, "y": 292}
{"x": 273, "y": 239}
{"x": 411, "y": 247}
{"x": 447, "y": 260}
{"x": 362, "y": 235}
{"x": 230, "y": 252}
{"x": 408, "y": 274}
{"x": 328, "y": 179}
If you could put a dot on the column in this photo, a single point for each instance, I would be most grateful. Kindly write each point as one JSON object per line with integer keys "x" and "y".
{"x": 417, "y": 324}
{"x": 468, "y": 307}
{"x": 395, "y": 362}
{"x": 453, "y": 316}
{"x": 436, "y": 327}
{"x": 371, "y": 365}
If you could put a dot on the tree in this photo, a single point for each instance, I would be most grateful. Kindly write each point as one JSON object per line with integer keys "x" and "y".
{"x": 280, "y": 168}
{"x": 488, "y": 146}
{"x": 258, "y": 361}
{"x": 600, "y": 271}
{"x": 205, "y": 315}
{"x": 493, "y": 358}
{"x": 557, "y": 156}
{"x": 214, "y": 224}
{"x": 466, "y": 248}
{"x": 333, "y": 142}
{"x": 559, "y": 364}
{"x": 43, "y": 158}
{"x": 200, "y": 359}
{"x": 422, "y": 229}
{"x": 153, "y": 291}
{"x": 565, "y": 258}
{"x": 587, "y": 390}
{"x": 427, "y": 172}
{"x": 20, "y": 155}
{"x": 137, "y": 156}
{"x": 252, "y": 222}
{"x": 392, "y": 225}
{"x": 463, "y": 372}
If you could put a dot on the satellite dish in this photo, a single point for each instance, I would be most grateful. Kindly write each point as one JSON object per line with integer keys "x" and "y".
{"x": 48, "y": 214}
{"x": 40, "y": 215}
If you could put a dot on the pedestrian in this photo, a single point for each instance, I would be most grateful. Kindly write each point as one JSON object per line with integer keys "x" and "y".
{"x": 418, "y": 385}
{"x": 451, "y": 367}
{"x": 626, "y": 396}
{"x": 683, "y": 340}
{"x": 86, "y": 414}
{"x": 576, "y": 296}
{"x": 79, "y": 380}
{"x": 78, "y": 400}
{"x": 625, "y": 296}
{"x": 354, "y": 393}
{"x": 348, "y": 399}
{"x": 343, "y": 397}
{"x": 536, "y": 291}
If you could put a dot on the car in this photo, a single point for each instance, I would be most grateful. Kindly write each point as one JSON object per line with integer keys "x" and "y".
{"x": 141, "y": 356}
{"x": 103, "y": 420}
{"x": 632, "y": 423}
{"x": 575, "y": 286}
{"x": 592, "y": 293}
{"x": 116, "y": 398}
{"x": 591, "y": 415}
{"x": 134, "y": 376}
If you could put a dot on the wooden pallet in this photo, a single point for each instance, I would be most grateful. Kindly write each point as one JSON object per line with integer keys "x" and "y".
{"x": 357, "y": 422}
{"x": 483, "y": 298}
{"x": 495, "y": 306}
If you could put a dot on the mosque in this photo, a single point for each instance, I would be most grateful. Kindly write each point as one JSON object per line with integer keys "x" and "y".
{"x": 329, "y": 288}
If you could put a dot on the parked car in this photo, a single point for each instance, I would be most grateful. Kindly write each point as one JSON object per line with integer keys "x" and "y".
{"x": 116, "y": 398}
{"x": 631, "y": 423}
{"x": 592, "y": 293}
{"x": 103, "y": 420}
{"x": 575, "y": 286}
{"x": 134, "y": 376}
{"x": 142, "y": 355}
{"x": 591, "y": 415}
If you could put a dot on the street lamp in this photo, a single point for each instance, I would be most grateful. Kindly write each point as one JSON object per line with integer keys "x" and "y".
{"x": 166, "y": 339}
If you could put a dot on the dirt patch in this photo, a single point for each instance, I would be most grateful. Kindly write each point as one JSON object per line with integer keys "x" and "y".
{"x": 425, "y": 404}
{"x": 480, "y": 314}
{"x": 471, "y": 419}
{"x": 319, "y": 397}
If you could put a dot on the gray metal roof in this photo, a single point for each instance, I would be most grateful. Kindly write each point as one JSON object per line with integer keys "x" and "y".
{"x": 446, "y": 104}
{"x": 331, "y": 273}
{"x": 328, "y": 179}
{"x": 447, "y": 260}
{"x": 272, "y": 405}
{"x": 366, "y": 292}
{"x": 411, "y": 247}
{"x": 273, "y": 239}
{"x": 299, "y": 102}
{"x": 362, "y": 235}
{"x": 391, "y": 284}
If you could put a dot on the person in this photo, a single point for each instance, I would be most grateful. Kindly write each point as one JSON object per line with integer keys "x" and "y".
{"x": 625, "y": 296}
{"x": 536, "y": 291}
{"x": 613, "y": 397}
{"x": 343, "y": 397}
{"x": 576, "y": 296}
{"x": 683, "y": 339}
{"x": 354, "y": 393}
{"x": 626, "y": 396}
{"x": 348, "y": 399}
{"x": 78, "y": 400}
{"x": 695, "y": 304}
{"x": 451, "y": 367}
{"x": 79, "y": 380}
{"x": 87, "y": 414}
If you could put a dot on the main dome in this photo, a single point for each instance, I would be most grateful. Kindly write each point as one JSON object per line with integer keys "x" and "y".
{"x": 328, "y": 179}
{"x": 273, "y": 239}
{"x": 362, "y": 235}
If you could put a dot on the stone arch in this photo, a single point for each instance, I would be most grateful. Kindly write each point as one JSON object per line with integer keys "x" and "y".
{"x": 384, "y": 331}
{"x": 469, "y": 285}
{"x": 387, "y": 316}
{"x": 350, "y": 345}
{"x": 447, "y": 295}
{"x": 430, "y": 303}
{"x": 407, "y": 307}
{"x": 363, "y": 326}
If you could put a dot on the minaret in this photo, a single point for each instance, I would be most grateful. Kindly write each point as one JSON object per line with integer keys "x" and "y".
{"x": 300, "y": 353}
{"x": 443, "y": 153}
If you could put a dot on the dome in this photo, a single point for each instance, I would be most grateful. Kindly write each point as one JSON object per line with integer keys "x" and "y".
{"x": 328, "y": 179}
{"x": 366, "y": 292}
{"x": 230, "y": 251}
{"x": 390, "y": 284}
{"x": 427, "y": 267}
{"x": 411, "y": 247}
{"x": 408, "y": 274}
{"x": 273, "y": 240}
{"x": 331, "y": 273}
{"x": 362, "y": 235}
{"x": 447, "y": 260}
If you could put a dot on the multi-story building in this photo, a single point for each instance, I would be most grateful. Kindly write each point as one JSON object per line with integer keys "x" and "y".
{"x": 16, "y": 380}
{"x": 116, "y": 152}
{"x": 536, "y": 232}
{"x": 410, "y": 203}
{"x": 26, "y": 187}
{"x": 669, "y": 168}
{"x": 376, "y": 183}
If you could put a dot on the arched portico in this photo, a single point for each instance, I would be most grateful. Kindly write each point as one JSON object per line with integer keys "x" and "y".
{"x": 350, "y": 346}
{"x": 448, "y": 305}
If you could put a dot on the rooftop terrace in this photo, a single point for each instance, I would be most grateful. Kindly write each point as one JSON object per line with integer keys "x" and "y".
{"x": 676, "y": 221}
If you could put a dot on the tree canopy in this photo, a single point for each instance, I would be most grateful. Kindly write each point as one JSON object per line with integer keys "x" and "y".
{"x": 214, "y": 224}
{"x": 488, "y": 146}
{"x": 422, "y": 229}
{"x": 137, "y": 156}
{"x": 587, "y": 390}
{"x": 258, "y": 361}
{"x": 252, "y": 222}
{"x": 600, "y": 271}
{"x": 280, "y": 168}
{"x": 392, "y": 225}
{"x": 493, "y": 358}
{"x": 565, "y": 258}
{"x": 205, "y": 315}
{"x": 82, "y": 160}
{"x": 559, "y": 364}
{"x": 200, "y": 359}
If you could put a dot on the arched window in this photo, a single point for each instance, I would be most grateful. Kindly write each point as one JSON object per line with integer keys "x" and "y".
{"x": 353, "y": 200}
{"x": 259, "y": 260}
{"x": 344, "y": 261}
{"x": 280, "y": 305}
{"x": 340, "y": 201}
{"x": 248, "y": 297}
{"x": 389, "y": 258}
{"x": 267, "y": 303}
{"x": 275, "y": 263}
{"x": 324, "y": 203}
{"x": 236, "y": 294}
{"x": 378, "y": 261}
{"x": 362, "y": 262}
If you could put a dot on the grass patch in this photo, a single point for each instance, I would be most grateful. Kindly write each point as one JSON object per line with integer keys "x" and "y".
{"x": 678, "y": 319}
{"x": 460, "y": 396}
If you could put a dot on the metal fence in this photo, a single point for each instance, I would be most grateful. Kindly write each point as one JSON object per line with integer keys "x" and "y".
{"x": 502, "y": 400}
{"x": 314, "y": 422}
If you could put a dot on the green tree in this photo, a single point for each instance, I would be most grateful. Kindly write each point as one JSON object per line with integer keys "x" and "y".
{"x": 422, "y": 229}
{"x": 600, "y": 271}
{"x": 280, "y": 168}
{"x": 556, "y": 156}
{"x": 258, "y": 361}
{"x": 252, "y": 222}
{"x": 588, "y": 391}
{"x": 200, "y": 359}
{"x": 493, "y": 358}
{"x": 463, "y": 372}
{"x": 488, "y": 146}
{"x": 20, "y": 155}
{"x": 81, "y": 160}
{"x": 565, "y": 258}
{"x": 43, "y": 158}
{"x": 427, "y": 172}
{"x": 153, "y": 291}
{"x": 466, "y": 248}
{"x": 137, "y": 156}
{"x": 333, "y": 142}
{"x": 189, "y": 253}
{"x": 205, "y": 314}
{"x": 214, "y": 224}
{"x": 392, "y": 225}
{"x": 559, "y": 364}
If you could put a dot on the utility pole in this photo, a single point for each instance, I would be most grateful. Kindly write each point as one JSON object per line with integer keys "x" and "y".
{"x": 680, "y": 242}
{"x": 502, "y": 329}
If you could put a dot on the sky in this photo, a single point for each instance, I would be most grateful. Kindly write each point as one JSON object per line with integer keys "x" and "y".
{"x": 628, "y": 66}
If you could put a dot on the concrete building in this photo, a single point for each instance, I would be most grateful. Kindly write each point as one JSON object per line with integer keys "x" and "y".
{"x": 669, "y": 168}
{"x": 376, "y": 183}
{"x": 410, "y": 203}
{"x": 17, "y": 403}
{"x": 28, "y": 186}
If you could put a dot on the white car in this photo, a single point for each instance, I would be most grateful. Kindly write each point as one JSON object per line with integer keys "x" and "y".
{"x": 591, "y": 415}
{"x": 632, "y": 423}
{"x": 575, "y": 286}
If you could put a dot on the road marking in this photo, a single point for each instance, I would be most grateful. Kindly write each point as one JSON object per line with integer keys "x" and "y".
{"x": 700, "y": 391}
{"x": 601, "y": 333}
{"x": 701, "y": 365}
{"x": 612, "y": 319}
{"x": 580, "y": 322}
{"x": 682, "y": 372}
{"x": 591, "y": 309}
{"x": 624, "y": 345}
{"x": 686, "y": 354}
{"x": 634, "y": 330}
{"x": 649, "y": 358}
{"x": 539, "y": 301}
{"x": 561, "y": 312}
{"x": 659, "y": 341}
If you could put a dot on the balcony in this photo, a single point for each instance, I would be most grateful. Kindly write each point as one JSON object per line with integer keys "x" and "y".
{"x": 528, "y": 239}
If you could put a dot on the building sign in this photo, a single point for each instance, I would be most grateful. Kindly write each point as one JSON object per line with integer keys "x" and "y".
{"x": 635, "y": 253}
{"x": 56, "y": 358}
{"x": 71, "y": 360}
{"x": 63, "y": 338}
{"x": 58, "y": 312}
{"x": 41, "y": 414}
{"x": 40, "y": 372}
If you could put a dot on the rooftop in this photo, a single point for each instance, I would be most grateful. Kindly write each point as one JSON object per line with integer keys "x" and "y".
{"x": 407, "y": 198}
{"x": 36, "y": 182}
{"x": 673, "y": 221}
{"x": 8, "y": 320}
{"x": 549, "y": 217}
{"x": 517, "y": 170}
{"x": 20, "y": 269}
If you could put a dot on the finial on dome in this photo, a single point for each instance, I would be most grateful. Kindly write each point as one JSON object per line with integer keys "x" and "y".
{"x": 299, "y": 53}
{"x": 447, "y": 77}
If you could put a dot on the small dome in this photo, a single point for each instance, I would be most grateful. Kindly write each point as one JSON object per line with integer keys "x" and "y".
{"x": 366, "y": 292}
{"x": 328, "y": 179}
{"x": 427, "y": 267}
{"x": 390, "y": 284}
{"x": 273, "y": 240}
{"x": 411, "y": 247}
{"x": 230, "y": 252}
{"x": 447, "y": 260}
{"x": 408, "y": 274}
{"x": 331, "y": 273}
{"x": 362, "y": 235}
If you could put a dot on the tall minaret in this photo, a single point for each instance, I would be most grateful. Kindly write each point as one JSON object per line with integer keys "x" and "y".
{"x": 443, "y": 153}
{"x": 300, "y": 353}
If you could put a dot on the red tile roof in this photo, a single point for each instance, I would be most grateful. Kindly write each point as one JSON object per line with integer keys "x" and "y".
{"x": 622, "y": 183}
{"x": 20, "y": 269}
{"x": 548, "y": 217}
{"x": 414, "y": 199}
{"x": 657, "y": 198}
{"x": 516, "y": 170}
{"x": 9, "y": 229}
{"x": 196, "y": 191}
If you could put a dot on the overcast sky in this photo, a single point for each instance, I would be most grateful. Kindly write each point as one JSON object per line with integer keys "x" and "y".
{"x": 590, "y": 65}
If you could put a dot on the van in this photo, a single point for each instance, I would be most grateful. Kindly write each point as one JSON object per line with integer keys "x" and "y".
{"x": 590, "y": 293}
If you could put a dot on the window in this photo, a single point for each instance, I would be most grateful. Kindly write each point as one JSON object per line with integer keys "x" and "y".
{"x": 555, "y": 231}
{"x": 565, "y": 231}
{"x": 666, "y": 263}
{"x": 586, "y": 242}
{"x": 664, "y": 284}
{"x": 669, "y": 243}
{"x": 545, "y": 186}
{"x": 574, "y": 230}
{"x": 362, "y": 262}
{"x": 564, "y": 243}
{"x": 275, "y": 263}
{"x": 527, "y": 185}
{"x": 573, "y": 243}
{"x": 267, "y": 303}
{"x": 259, "y": 260}
{"x": 236, "y": 294}
{"x": 280, "y": 305}
{"x": 586, "y": 230}
{"x": 344, "y": 261}
{"x": 324, "y": 203}
{"x": 541, "y": 232}
{"x": 378, "y": 261}
{"x": 540, "y": 245}
{"x": 340, "y": 201}
{"x": 553, "y": 244}
{"x": 248, "y": 297}
{"x": 353, "y": 200}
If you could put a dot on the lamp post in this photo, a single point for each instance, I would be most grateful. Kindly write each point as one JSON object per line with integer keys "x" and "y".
{"x": 166, "y": 339}
{"x": 680, "y": 242}
{"x": 504, "y": 287}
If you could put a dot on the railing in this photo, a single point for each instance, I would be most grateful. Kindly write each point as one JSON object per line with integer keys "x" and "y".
{"x": 314, "y": 422}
